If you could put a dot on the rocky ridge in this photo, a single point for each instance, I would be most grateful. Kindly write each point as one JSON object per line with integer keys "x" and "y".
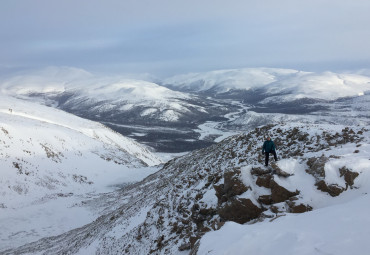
{"x": 171, "y": 209}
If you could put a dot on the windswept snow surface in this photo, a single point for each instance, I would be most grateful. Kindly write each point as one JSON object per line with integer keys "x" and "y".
{"x": 282, "y": 84}
{"x": 50, "y": 162}
{"x": 341, "y": 229}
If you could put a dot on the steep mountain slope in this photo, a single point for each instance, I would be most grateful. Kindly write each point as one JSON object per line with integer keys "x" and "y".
{"x": 320, "y": 166}
{"x": 36, "y": 138}
{"x": 48, "y": 155}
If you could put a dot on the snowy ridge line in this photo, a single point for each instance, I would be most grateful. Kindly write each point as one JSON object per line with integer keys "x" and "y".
{"x": 320, "y": 166}
{"x": 77, "y": 91}
{"x": 278, "y": 84}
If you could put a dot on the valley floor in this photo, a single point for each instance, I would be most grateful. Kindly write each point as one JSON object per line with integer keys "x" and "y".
{"x": 28, "y": 220}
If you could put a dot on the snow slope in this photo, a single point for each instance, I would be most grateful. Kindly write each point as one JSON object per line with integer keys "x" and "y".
{"x": 47, "y": 147}
{"x": 340, "y": 229}
{"x": 50, "y": 160}
{"x": 282, "y": 84}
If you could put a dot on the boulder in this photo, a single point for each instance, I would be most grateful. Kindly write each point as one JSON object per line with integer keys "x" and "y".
{"x": 279, "y": 193}
{"x": 301, "y": 208}
{"x": 349, "y": 176}
{"x": 219, "y": 190}
{"x": 265, "y": 199}
{"x": 316, "y": 166}
{"x": 264, "y": 180}
{"x": 233, "y": 186}
{"x": 258, "y": 171}
{"x": 278, "y": 170}
{"x": 333, "y": 189}
{"x": 240, "y": 210}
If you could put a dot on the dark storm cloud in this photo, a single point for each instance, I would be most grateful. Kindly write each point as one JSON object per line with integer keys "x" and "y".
{"x": 166, "y": 36}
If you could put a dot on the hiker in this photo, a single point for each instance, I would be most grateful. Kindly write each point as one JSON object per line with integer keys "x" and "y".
{"x": 269, "y": 147}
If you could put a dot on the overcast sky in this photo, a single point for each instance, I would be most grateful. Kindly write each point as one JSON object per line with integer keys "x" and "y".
{"x": 166, "y": 37}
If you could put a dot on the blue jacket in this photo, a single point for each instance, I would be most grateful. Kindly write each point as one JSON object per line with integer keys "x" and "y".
{"x": 268, "y": 146}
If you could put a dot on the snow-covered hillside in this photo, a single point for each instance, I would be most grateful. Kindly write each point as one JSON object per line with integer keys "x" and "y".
{"x": 224, "y": 80}
{"x": 47, "y": 154}
{"x": 77, "y": 90}
{"x": 51, "y": 148}
{"x": 278, "y": 84}
{"x": 322, "y": 168}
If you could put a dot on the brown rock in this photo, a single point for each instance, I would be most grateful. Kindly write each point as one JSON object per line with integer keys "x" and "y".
{"x": 185, "y": 246}
{"x": 279, "y": 171}
{"x": 275, "y": 209}
{"x": 233, "y": 186}
{"x": 265, "y": 199}
{"x": 349, "y": 176}
{"x": 279, "y": 193}
{"x": 333, "y": 189}
{"x": 240, "y": 210}
{"x": 193, "y": 240}
{"x": 219, "y": 190}
{"x": 316, "y": 166}
{"x": 259, "y": 171}
{"x": 207, "y": 211}
{"x": 301, "y": 208}
{"x": 264, "y": 180}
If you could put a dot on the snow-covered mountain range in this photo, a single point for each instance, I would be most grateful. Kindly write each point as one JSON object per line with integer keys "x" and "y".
{"x": 86, "y": 189}
{"x": 286, "y": 84}
{"x": 171, "y": 118}
{"x": 143, "y": 110}
{"x": 76, "y": 89}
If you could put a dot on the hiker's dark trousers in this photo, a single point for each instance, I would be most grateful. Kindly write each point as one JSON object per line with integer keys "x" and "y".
{"x": 267, "y": 155}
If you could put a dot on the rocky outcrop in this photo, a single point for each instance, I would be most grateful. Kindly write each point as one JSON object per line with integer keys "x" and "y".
{"x": 240, "y": 210}
{"x": 264, "y": 180}
{"x": 300, "y": 208}
{"x": 232, "y": 186}
{"x": 349, "y": 176}
{"x": 258, "y": 171}
{"x": 333, "y": 189}
{"x": 231, "y": 207}
{"x": 279, "y": 193}
{"x": 276, "y": 169}
{"x": 316, "y": 166}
